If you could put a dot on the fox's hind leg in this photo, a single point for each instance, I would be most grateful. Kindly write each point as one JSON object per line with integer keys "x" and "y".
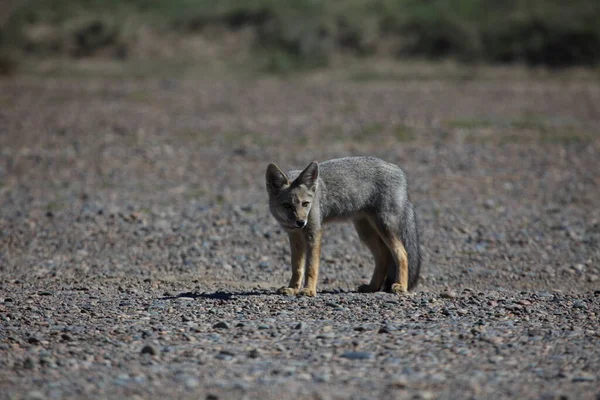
{"x": 381, "y": 254}
{"x": 397, "y": 276}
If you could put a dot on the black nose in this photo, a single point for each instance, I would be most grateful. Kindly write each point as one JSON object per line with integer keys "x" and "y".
{"x": 300, "y": 223}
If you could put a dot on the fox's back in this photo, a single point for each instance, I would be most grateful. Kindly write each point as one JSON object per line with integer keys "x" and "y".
{"x": 352, "y": 185}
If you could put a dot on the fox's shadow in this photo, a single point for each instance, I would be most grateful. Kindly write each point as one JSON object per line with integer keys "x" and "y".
{"x": 226, "y": 296}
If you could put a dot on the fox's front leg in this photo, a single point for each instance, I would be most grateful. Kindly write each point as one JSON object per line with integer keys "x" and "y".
{"x": 313, "y": 253}
{"x": 298, "y": 250}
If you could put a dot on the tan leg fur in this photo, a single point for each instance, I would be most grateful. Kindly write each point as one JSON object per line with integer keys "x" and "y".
{"x": 313, "y": 252}
{"x": 401, "y": 259}
{"x": 381, "y": 254}
{"x": 396, "y": 247}
{"x": 298, "y": 249}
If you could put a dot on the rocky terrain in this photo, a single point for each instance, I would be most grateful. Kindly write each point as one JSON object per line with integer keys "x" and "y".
{"x": 138, "y": 258}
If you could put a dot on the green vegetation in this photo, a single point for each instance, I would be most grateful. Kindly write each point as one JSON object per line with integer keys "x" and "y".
{"x": 525, "y": 128}
{"x": 404, "y": 133}
{"x": 292, "y": 34}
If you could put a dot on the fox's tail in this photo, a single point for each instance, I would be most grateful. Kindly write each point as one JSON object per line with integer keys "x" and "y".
{"x": 409, "y": 233}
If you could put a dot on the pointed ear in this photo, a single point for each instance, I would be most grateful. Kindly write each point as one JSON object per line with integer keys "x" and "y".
{"x": 275, "y": 179}
{"x": 309, "y": 176}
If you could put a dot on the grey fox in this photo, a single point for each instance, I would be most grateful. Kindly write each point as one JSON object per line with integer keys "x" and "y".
{"x": 370, "y": 192}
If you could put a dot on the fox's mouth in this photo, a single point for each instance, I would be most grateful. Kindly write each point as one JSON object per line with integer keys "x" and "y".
{"x": 291, "y": 227}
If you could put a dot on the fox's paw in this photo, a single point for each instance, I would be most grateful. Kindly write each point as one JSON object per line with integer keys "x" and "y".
{"x": 366, "y": 288}
{"x": 398, "y": 289}
{"x": 307, "y": 292}
{"x": 287, "y": 291}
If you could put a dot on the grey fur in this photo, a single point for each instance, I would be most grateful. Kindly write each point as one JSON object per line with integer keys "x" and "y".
{"x": 369, "y": 191}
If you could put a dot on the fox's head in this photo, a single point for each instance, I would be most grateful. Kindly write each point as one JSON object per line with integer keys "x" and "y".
{"x": 291, "y": 201}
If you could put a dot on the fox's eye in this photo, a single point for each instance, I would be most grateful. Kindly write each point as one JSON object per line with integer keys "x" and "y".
{"x": 287, "y": 205}
{"x": 305, "y": 204}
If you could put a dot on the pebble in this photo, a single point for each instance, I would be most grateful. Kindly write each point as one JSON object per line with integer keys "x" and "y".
{"x": 66, "y": 337}
{"x": 33, "y": 340}
{"x": 579, "y": 268}
{"x": 225, "y": 355}
{"x": 254, "y": 353}
{"x": 334, "y": 305}
{"x": 221, "y": 325}
{"x": 583, "y": 378}
{"x": 322, "y": 377}
{"x": 358, "y": 355}
{"x": 326, "y": 335}
{"x": 301, "y": 326}
{"x": 29, "y": 363}
{"x": 192, "y": 383}
{"x": 35, "y": 395}
{"x": 579, "y": 304}
{"x": 450, "y": 294}
{"x": 149, "y": 349}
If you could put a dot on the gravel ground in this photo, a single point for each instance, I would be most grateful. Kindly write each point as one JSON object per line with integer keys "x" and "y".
{"x": 138, "y": 258}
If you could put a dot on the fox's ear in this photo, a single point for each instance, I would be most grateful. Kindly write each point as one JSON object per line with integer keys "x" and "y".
{"x": 275, "y": 179}
{"x": 309, "y": 176}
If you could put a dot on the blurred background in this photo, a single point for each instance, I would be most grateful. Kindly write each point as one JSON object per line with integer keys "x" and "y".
{"x": 282, "y": 36}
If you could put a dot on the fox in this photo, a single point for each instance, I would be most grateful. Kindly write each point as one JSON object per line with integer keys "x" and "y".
{"x": 368, "y": 191}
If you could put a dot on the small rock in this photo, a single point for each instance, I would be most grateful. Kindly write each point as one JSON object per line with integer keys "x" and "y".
{"x": 35, "y": 395}
{"x": 534, "y": 332}
{"x": 29, "y": 363}
{"x": 358, "y": 355}
{"x": 66, "y": 337}
{"x": 191, "y": 383}
{"x": 583, "y": 378}
{"x": 323, "y": 377}
{"x": 489, "y": 204}
{"x": 221, "y": 325}
{"x": 149, "y": 349}
{"x": 326, "y": 335}
{"x": 579, "y": 267}
{"x": 33, "y": 340}
{"x": 384, "y": 329}
{"x": 580, "y": 304}
{"x": 398, "y": 383}
{"x": 304, "y": 377}
{"x": 450, "y": 294}
{"x": 225, "y": 355}
{"x": 301, "y": 326}
{"x": 425, "y": 395}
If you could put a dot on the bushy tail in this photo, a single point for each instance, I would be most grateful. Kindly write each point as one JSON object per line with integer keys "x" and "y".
{"x": 409, "y": 232}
